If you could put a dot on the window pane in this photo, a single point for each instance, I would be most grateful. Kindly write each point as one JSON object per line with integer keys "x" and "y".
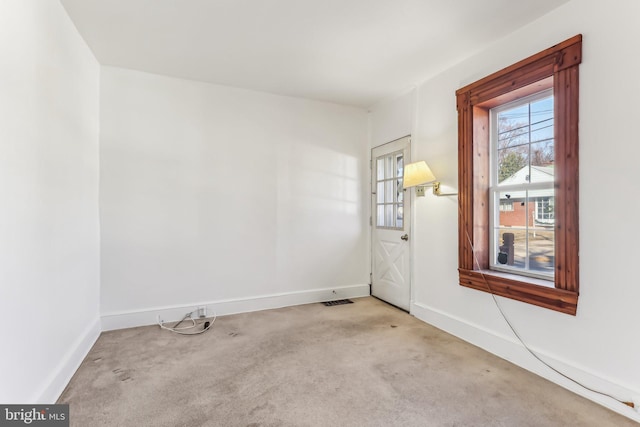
{"x": 512, "y": 165}
{"x": 542, "y": 251}
{"x": 506, "y": 206}
{"x": 511, "y": 247}
{"x": 512, "y": 209}
{"x": 524, "y": 228}
{"x": 399, "y": 191}
{"x": 388, "y": 216}
{"x": 388, "y": 191}
{"x": 542, "y": 131}
{"x": 511, "y": 230}
{"x": 542, "y": 167}
{"x": 519, "y": 247}
{"x": 542, "y": 153}
{"x": 389, "y": 167}
{"x": 514, "y": 137}
{"x": 399, "y": 165}
{"x": 529, "y": 207}
{"x": 513, "y": 118}
{"x": 544, "y": 213}
{"x": 542, "y": 119}
{"x": 513, "y": 127}
{"x": 541, "y": 110}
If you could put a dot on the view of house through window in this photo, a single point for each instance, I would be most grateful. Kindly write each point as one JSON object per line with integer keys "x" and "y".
{"x": 522, "y": 186}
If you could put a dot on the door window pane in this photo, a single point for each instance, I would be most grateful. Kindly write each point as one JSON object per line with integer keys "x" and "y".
{"x": 389, "y": 192}
{"x": 399, "y": 214}
{"x": 388, "y": 216}
{"x": 399, "y": 165}
{"x": 380, "y": 169}
{"x": 380, "y": 216}
{"x": 390, "y": 167}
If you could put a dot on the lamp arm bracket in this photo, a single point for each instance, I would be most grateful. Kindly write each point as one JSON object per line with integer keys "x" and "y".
{"x": 436, "y": 189}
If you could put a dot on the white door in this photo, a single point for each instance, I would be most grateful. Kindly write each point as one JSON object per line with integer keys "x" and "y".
{"x": 391, "y": 214}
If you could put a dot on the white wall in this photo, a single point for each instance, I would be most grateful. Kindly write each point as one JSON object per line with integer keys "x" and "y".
{"x": 236, "y": 199}
{"x": 600, "y": 345}
{"x": 391, "y": 119}
{"x": 49, "y": 231}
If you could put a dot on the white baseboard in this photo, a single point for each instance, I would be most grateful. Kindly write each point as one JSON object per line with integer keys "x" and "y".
{"x": 149, "y": 316}
{"x": 510, "y": 349}
{"x": 55, "y": 384}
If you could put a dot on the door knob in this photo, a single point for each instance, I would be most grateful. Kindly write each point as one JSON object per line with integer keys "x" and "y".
{"x": 405, "y": 237}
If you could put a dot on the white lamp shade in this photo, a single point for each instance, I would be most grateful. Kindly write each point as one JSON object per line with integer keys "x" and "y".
{"x": 417, "y": 173}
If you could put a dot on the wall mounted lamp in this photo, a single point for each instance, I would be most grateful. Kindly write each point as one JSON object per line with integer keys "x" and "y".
{"x": 419, "y": 175}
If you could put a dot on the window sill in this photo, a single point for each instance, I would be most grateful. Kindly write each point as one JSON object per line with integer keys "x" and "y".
{"x": 526, "y": 289}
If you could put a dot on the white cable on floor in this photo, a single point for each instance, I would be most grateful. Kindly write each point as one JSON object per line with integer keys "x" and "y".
{"x": 194, "y": 324}
{"x": 517, "y": 335}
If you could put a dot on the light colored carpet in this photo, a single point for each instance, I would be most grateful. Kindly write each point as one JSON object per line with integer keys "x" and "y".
{"x": 361, "y": 364}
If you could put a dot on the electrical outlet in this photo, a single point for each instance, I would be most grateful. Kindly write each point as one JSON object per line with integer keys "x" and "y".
{"x": 202, "y": 311}
{"x": 420, "y": 191}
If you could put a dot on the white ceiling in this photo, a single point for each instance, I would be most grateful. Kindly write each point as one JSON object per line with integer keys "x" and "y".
{"x": 353, "y": 52}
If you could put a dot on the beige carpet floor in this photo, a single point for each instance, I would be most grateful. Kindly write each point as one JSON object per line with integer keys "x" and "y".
{"x": 361, "y": 364}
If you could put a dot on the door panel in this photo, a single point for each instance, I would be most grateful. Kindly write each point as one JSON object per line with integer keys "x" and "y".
{"x": 391, "y": 214}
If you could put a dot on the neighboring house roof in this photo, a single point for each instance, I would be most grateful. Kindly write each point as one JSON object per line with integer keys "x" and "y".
{"x": 538, "y": 174}
{"x": 525, "y": 175}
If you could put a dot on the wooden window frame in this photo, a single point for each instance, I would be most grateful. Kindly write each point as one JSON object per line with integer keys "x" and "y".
{"x": 555, "y": 67}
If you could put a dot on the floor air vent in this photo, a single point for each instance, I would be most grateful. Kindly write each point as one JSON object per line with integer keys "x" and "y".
{"x": 337, "y": 302}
